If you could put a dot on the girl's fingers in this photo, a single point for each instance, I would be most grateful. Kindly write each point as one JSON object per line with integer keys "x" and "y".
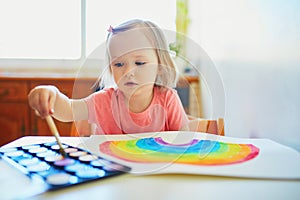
{"x": 51, "y": 101}
{"x": 37, "y": 113}
{"x": 44, "y": 104}
{"x": 33, "y": 99}
{"x": 42, "y": 99}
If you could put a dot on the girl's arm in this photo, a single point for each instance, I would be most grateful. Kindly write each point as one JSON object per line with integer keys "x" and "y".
{"x": 47, "y": 100}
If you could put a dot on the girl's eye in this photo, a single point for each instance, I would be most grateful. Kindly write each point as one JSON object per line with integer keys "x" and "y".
{"x": 119, "y": 64}
{"x": 140, "y": 63}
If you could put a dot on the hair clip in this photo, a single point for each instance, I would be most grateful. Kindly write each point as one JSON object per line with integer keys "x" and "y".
{"x": 110, "y": 29}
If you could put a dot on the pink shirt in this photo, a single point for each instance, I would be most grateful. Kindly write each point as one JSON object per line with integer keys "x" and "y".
{"x": 108, "y": 111}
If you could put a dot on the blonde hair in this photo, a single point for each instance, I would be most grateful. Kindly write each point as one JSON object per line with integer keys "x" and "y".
{"x": 167, "y": 75}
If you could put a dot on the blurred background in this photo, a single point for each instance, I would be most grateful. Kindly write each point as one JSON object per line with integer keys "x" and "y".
{"x": 256, "y": 48}
{"x": 254, "y": 45}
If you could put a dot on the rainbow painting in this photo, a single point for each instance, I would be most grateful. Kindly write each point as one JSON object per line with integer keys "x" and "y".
{"x": 196, "y": 152}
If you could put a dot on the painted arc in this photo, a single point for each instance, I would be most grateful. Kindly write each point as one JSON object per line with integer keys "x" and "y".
{"x": 197, "y": 152}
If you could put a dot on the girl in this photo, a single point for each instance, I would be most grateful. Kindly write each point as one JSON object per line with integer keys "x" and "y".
{"x": 141, "y": 99}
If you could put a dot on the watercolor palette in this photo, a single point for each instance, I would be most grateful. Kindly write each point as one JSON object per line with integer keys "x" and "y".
{"x": 44, "y": 162}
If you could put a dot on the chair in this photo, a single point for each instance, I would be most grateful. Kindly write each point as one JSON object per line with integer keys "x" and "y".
{"x": 206, "y": 126}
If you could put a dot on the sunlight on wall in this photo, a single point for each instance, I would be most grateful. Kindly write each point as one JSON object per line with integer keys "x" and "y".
{"x": 247, "y": 30}
{"x": 256, "y": 47}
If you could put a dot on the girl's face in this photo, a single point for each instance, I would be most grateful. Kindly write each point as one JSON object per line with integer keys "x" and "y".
{"x": 135, "y": 71}
{"x": 134, "y": 64}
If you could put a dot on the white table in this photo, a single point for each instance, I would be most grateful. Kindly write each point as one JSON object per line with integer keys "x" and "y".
{"x": 157, "y": 186}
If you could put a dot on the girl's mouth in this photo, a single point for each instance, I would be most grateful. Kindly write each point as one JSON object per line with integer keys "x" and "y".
{"x": 130, "y": 84}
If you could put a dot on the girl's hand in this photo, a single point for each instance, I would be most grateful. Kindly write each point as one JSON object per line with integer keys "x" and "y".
{"x": 42, "y": 100}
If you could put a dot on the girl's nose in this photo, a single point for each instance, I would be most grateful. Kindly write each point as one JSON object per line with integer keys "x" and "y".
{"x": 130, "y": 70}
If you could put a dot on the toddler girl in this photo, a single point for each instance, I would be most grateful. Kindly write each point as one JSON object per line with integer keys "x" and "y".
{"x": 141, "y": 98}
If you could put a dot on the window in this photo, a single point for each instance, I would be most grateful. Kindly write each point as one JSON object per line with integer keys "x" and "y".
{"x": 40, "y": 29}
{"x": 100, "y": 17}
{"x": 62, "y": 33}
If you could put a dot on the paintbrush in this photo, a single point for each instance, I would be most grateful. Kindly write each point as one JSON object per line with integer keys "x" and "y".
{"x": 54, "y": 131}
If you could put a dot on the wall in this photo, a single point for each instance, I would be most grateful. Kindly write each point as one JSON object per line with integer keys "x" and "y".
{"x": 262, "y": 101}
{"x": 255, "y": 45}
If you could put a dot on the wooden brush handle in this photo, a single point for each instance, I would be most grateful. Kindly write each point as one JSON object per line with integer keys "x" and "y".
{"x": 54, "y": 130}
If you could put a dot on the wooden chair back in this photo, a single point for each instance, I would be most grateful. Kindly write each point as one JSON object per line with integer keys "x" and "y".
{"x": 207, "y": 125}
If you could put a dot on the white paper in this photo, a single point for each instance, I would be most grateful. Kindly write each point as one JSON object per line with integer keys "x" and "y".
{"x": 273, "y": 161}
